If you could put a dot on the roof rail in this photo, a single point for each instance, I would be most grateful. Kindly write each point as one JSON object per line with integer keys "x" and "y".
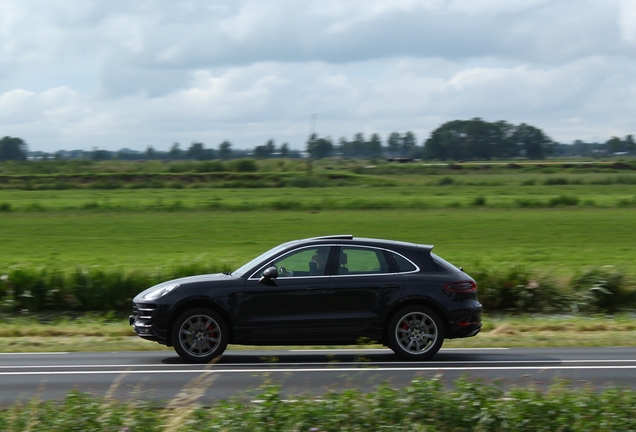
{"x": 336, "y": 237}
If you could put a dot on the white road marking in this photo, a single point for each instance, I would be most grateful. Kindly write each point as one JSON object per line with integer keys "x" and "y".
{"x": 387, "y": 349}
{"x": 36, "y": 353}
{"x": 316, "y": 370}
{"x": 430, "y": 364}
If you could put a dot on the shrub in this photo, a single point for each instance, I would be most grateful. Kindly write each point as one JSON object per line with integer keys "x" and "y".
{"x": 243, "y": 165}
{"x": 479, "y": 201}
{"x": 106, "y": 184}
{"x": 516, "y": 289}
{"x": 527, "y": 203}
{"x": 556, "y": 181}
{"x": 626, "y": 202}
{"x": 35, "y": 207}
{"x": 93, "y": 205}
{"x": 501, "y": 289}
{"x": 210, "y": 166}
{"x": 564, "y": 200}
{"x": 176, "y": 185}
{"x": 5, "y": 207}
{"x": 602, "y": 289}
{"x": 286, "y": 204}
{"x": 305, "y": 181}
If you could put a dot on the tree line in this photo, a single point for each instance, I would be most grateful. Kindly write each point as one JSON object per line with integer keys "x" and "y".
{"x": 473, "y": 139}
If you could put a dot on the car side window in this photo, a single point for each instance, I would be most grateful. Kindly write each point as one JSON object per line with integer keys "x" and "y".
{"x": 403, "y": 264}
{"x": 358, "y": 260}
{"x": 305, "y": 262}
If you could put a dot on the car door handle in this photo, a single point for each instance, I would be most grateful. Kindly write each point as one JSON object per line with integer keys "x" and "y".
{"x": 384, "y": 288}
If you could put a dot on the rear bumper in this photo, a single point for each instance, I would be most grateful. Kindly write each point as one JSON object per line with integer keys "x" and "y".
{"x": 467, "y": 324}
{"x": 465, "y": 331}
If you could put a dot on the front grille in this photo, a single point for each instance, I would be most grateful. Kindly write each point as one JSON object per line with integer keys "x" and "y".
{"x": 143, "y": 314}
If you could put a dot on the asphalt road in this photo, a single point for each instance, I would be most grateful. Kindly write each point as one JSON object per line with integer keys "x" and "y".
{"x": 161, "y": 375}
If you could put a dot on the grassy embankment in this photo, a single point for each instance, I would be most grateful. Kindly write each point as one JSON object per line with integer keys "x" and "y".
{"x": 99, "y": 333}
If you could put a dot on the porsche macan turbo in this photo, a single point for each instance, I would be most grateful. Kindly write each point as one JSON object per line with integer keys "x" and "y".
{"x": 333, "y": 290}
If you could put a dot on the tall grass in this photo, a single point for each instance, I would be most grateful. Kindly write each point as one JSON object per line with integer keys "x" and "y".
{"x": 510, "y": 289}
{"x": 86, "y": 289}
{"x": 518, "y": 290}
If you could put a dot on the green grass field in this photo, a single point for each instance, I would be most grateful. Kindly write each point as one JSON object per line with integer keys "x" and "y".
{"x": 498, "y": 190}
{"x": 556, "y": 240}
{"x": 546, "y": 218}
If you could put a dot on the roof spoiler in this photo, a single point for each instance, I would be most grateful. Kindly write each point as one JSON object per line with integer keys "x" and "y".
{"x": 425, "y": 249}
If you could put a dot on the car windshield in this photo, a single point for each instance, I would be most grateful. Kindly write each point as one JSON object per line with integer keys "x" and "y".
{"x": 263, "y": 257}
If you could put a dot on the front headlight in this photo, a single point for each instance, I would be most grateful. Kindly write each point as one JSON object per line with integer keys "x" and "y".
{"x": 160, "y": 292}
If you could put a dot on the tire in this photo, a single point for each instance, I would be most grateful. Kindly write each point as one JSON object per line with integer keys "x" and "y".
{"x": 199, "y": 335}
{"x": 415, "y": 333}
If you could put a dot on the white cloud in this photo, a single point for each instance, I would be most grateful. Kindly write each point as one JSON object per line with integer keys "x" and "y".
{"x": 78, "y": 74}
{"x": 627, "y": 12}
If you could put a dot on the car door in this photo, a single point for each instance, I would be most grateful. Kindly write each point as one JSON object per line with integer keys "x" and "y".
{"x": 290, "y": 308}
{"x": 360, "y": 294}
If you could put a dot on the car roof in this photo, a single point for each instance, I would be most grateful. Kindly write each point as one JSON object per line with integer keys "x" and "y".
{"x": 349, "y": 238}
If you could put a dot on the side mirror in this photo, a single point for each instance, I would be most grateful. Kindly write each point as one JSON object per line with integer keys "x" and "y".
{"x": 268, "y": 274}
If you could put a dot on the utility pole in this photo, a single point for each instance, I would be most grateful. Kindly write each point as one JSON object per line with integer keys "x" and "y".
{"x": 312, "y": 131}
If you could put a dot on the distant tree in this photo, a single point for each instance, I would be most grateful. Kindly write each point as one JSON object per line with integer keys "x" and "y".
{"x": 344, "y": 147}
{"x": 265, "y": 151}
{"x": 503, "y": 146}
{"x": 13, "y": 149}
{"x": 533, "y": 141}
{"x": 374, "y": 146}
{"x": 150, "y": 152}
{"x": 409, "y": 142}
{"x": 616, "y": 145}
{"x": 100, "y": 155}
{"x": 630, "y": 144}
{"x": 225, "y": 150}
{"x": 270, "y": 146}
{"x": 175, "y": 151}
{"x": 195, "y": 151}
{"x": 319, "y": 148}
{"x": 478, "y": 139}
{"x": 358, "y": 145}
{"x": 394, "y": 143}
{"x": 284, "y": 150}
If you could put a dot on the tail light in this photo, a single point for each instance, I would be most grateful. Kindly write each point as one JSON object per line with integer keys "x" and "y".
{"x": 462, "y": 287}
{"x": 466, "y": 323}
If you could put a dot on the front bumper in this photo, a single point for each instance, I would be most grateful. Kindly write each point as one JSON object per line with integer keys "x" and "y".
{"x": 143, "y": 322}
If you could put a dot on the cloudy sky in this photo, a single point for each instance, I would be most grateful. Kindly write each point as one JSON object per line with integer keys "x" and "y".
{"x": 79, "y": 74}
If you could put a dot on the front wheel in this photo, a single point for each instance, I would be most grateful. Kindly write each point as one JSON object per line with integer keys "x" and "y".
{"x": 199, "y": 335}
{"x": 416, "y": 333}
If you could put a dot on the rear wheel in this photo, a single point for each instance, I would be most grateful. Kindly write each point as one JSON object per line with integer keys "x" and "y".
{"x": 199, "y": 335}
{"x": 416, "y": 333}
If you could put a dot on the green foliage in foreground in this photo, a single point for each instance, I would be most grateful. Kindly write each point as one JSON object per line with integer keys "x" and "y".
{"x": 424, "y": 405}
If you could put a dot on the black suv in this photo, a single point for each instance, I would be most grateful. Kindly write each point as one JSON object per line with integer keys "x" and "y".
{"x": 324, "y": 290}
